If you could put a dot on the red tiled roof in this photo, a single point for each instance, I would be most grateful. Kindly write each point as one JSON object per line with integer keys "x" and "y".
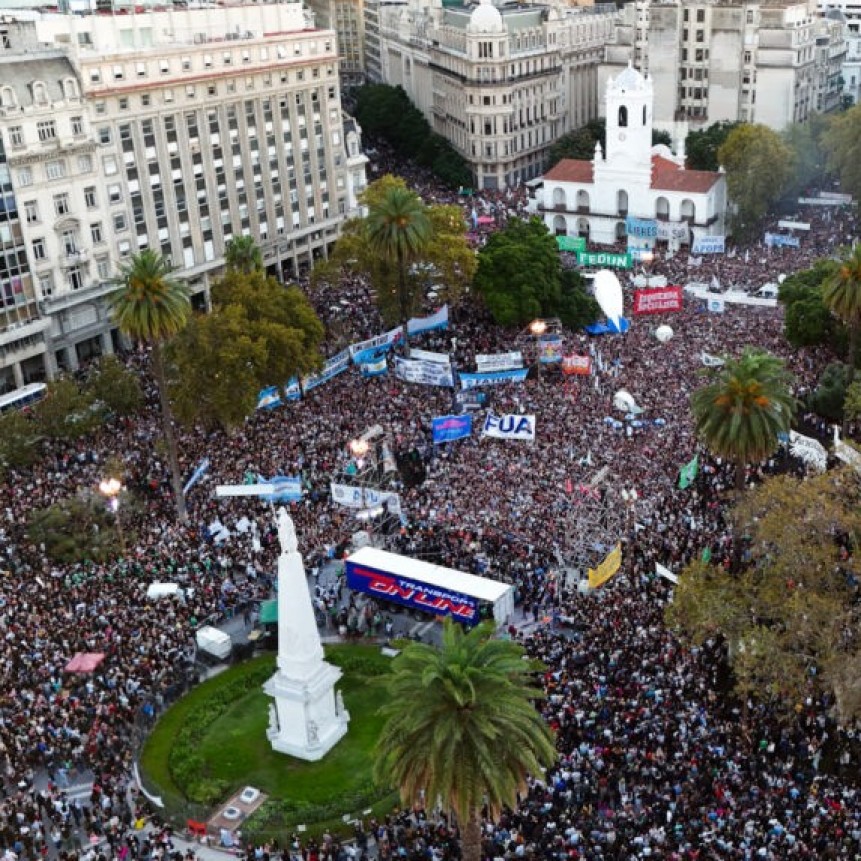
{"x": 571, "y": 170}
{"x": 668, "y": 176}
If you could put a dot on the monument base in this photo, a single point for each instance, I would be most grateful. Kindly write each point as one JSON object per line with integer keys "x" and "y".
{"x": 307, "y": 719}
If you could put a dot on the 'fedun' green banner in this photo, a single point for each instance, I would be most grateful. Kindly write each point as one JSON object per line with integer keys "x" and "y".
{"x": 605, "y": 259}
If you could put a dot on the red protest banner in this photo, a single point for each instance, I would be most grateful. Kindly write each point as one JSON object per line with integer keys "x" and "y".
{"x": 658, "y": 301}
{"x": 576, "y": 364}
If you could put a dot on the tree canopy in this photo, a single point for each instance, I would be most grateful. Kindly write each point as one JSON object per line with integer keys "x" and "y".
{"x": 701, "y": 146}
{"x": 258, "y": 334}
{"x": 807, "y": 321}
{"x": 244, "y": 254}
{"x": 520, "y": 277}
{"x": 791, "y": 617}
{"x": 758, "y": 165}
{"x": 386, "y": 112}
{"x": 579, "y": 144}
{"x": 461, "y": 727}
{"x": 446, "y": 261}
{"x": 842, "y": 145}
{"x": 841, "y": 293}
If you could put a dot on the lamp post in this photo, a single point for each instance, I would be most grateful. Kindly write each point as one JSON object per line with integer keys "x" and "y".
{"x": 538, "y": 328}
{"x": 111, "y": 488}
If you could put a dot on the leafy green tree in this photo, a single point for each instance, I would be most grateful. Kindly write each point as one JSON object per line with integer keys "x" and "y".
{"x": 842, "y": 144}
{"x": 258, "y": 334}
{"x": 852, "y": 402}
{"x": 830, "y": 393}
{"x": 841, "y": 293}
{"x": 386, "y": 112}
{"x": 67, "y": 412}
{"x": 217, "y": 359}
{"x": 519, "y": 273}
{"x": 758, "y": 165}
{"x": 809, "y": 158}
{"x": 461, "y": 727}
{"x": 243, "y": 254}
{"x": 579, "y": 144}
{"x": 398, "y": 229}
{"x": 577, "y": 306}
{"x": 740, "y": 414}
{"x": 113, "y": 385}
{"x": 19, "y": 439}
{"x": 701, "y": 147}
{"x": 151, "y": 307}
{"x": 446, "y": 261}
{"x": 659, "y": 136}
{"x": 790, "y": 619}
{"x": 807, "y": 321}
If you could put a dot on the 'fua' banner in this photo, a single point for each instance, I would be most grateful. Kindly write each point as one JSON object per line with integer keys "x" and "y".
{"x": 509, "y": 427}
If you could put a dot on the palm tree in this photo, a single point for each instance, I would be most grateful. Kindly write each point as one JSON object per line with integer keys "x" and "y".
{"x": 841, "y": 293}
{"x": 461, "y": 729}
{"x": 398, "y": 228}
{"x": 244, "y": 254}
{"x": 152, "y": 307}
{"x": 741, "y": 413}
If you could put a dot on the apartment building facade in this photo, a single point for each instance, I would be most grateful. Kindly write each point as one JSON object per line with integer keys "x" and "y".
{"x": 772, "y": 62}
{"x": 174, "y": 130}
{"x": 501, "y": 82}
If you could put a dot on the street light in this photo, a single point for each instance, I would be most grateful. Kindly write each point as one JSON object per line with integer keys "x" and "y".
{"x": 111, "y": 488}
{"x": 538, "y": 328}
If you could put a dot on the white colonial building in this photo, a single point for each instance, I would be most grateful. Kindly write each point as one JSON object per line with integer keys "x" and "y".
{"x": 633, "y": 190}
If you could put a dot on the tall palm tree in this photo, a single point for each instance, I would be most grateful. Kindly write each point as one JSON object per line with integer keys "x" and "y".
{"x": 398, "y": 228}
{"x": 461, "y": 728}
{"x": 152, "y": 307}
{"x": 244, "y": 254}
{"x": 841, "y": 293}
{"x": 741, "y": 412}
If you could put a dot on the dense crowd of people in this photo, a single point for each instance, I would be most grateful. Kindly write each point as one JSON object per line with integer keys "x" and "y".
{"x": 655, "y": 758}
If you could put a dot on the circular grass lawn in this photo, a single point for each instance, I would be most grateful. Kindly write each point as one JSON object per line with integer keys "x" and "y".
{"x": 229, "y": 748}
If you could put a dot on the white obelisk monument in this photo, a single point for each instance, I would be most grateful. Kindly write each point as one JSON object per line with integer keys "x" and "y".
{"x": 307, "y": 719}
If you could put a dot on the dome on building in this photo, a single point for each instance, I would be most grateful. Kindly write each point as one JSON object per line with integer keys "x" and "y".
{"x": 628, "y": 80}
{"x": 486, "y": 18}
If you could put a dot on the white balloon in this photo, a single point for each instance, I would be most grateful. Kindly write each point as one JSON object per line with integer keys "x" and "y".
{"x": 624, "y": 401}
{"x": 664, "y": 333}
{"x": 608, "y": 294}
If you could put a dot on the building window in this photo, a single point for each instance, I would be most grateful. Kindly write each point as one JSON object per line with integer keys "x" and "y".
{"x": 77, "y": 126}
{"x": 123, "y": 103}
{"x": 120, "y": 223}
{"x": 109, "y": 164}
{"x": 24, "y": 177}
{"x": 118, "y": 73}
{"x": 146, "y": 100}
{"x": 96, "y": 233}
{"x": 61, "y": 204}
{"x": 46, "y": 284}
{"x": 164, "y": 66}
{"x": 103, "y": 267}
{"x": 31, "y": 212}
{"x": 101, "y": 108}
{"x": 90, "y": 197}
{"x": 85, "y": 163}
{"x": 186, "y": 64}
{"x": 16, "y": 136}
{"x": 140, "y": 69}
{"x": 95, "y": 76}
{"x": 115, "y": 194}
{"x": 55, "y": 169}
{"x": 623, "y": 117}
{"x": 39, "y": 252}
{"x": 47, "y": 130}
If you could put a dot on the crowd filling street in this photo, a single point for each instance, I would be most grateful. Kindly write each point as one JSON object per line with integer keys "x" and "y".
{"x": 656, "y": 758}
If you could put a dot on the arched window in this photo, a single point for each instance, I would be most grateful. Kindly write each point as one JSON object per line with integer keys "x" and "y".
{"x": 70, "y": 88}
{"x": 623, "y": 117}
{"x": 40, "y": 93}
{"x": 7, "y": 97}
{"x": 644, "y": 114}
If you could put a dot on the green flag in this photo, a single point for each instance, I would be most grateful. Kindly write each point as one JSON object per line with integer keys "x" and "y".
{"x": 688, "y": 473}
{"x": 707, "y": 554}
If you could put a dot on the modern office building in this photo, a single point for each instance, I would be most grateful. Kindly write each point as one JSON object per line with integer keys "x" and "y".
{"x": 772, "y": 62}
{"x": 347, "y": 19}
{"x": 173, "y": 129}
{"x": 848, "y": 12}
{"x": 501, "y": 82}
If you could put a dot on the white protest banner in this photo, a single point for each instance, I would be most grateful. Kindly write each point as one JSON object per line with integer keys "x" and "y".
{"x": 786, "y": 224}
{"x": 664, "y": 572}
{"x": 363, "y": 351}
{"x": 498, "y": 361}
{"x": 711, "y": 361}
{"x": 351, "y": 496}
{"x": 708, "y": 245}
{"x": 426, "y": 373}
{"x": 428, "y": 356}
{"x": 509, "y": 427}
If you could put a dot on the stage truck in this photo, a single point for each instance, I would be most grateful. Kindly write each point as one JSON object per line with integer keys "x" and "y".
{"x": 430, "y": 588}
